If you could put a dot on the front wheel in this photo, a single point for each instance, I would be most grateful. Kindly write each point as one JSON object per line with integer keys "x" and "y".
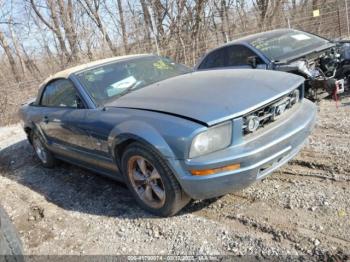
{"x": 151, "y": 181}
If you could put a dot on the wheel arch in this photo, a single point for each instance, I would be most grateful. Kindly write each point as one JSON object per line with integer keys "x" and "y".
{"x": 29, "y": 127}
{"x": 136, "y": 131}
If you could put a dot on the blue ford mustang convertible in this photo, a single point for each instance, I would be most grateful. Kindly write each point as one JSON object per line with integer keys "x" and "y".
{"x": 169, "y": 133}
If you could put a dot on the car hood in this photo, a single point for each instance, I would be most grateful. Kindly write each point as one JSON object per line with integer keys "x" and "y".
{"x": 211, "y": 96}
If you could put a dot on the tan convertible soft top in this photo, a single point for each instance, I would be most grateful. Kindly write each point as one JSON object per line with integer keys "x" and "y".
{"x": 67, "y": 72}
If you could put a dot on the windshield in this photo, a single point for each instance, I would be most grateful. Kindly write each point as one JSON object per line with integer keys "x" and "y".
{"x": 110, "y": 81}
{"x": 283, "y": 45}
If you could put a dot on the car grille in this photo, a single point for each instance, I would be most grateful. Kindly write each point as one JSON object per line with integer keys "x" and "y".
{"x": 271, "y": 112}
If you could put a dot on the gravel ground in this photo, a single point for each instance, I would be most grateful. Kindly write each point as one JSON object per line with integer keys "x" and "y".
{"x": 302, "y": 209}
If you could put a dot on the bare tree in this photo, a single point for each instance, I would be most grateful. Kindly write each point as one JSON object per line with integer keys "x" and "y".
{"x": 54, "y": 26}
{"x": 158, "y": 12}
{"x": 196, "y": 16}
{"x": 65, "y": 32}
{"x": 261, "y": 6}
{"x": 67, "y": 19}
{"x": 122, "y": 25}
{"x": 147, "y": 23}
{"x": 16, "y": 46}
{"x": 225, "y": 28}
{"x": 92, "y": 8}
{"x": 4, "y": 44}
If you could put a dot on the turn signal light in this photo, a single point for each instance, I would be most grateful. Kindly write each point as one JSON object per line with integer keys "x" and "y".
{"x": 206, "y": 172}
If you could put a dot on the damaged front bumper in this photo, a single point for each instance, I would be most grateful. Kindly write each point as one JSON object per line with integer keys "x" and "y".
{"x": 258, "y": 157}
{"x": 318, "y": 89}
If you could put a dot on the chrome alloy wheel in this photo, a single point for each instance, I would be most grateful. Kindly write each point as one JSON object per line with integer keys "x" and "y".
{"x": 39, "y": 149}
{"x": 146, "y": 181}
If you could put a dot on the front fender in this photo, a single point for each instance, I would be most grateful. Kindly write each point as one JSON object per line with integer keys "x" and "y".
{"x": 139, "y": 131}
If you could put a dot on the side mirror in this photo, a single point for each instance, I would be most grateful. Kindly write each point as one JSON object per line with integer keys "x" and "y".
{"x": 252, "y": 61}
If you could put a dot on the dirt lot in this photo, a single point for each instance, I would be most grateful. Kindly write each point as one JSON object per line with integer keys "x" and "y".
{"x": 302, "y": 209}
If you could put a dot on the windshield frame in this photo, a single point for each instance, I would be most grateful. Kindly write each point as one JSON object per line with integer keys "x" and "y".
{"x": 78, "y": 81}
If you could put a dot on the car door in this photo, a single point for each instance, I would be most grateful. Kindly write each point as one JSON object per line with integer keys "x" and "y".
{"x": 67, "y": 123}
{"x": 63, "y": 112}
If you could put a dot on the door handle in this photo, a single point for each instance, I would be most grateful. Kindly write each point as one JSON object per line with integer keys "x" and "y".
{"x": 46, "y": 119}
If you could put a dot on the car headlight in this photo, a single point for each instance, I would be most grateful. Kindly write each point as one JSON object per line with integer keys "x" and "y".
{"x": 213, "y": 139}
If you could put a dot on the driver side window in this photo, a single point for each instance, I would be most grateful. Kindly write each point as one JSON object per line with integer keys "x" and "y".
{"x": 61, "y": 93}
{"x": 237, "y": 55}
{"x": 215, "y": 59}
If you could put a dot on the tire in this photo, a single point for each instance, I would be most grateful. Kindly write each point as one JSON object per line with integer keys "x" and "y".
{"x": 10, "y": 243}
{"x": 45, "y": 157}
{"x": 160, "y": 178}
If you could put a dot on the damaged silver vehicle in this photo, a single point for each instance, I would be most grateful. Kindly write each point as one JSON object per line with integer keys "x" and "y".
{"x": 323, "y": 63}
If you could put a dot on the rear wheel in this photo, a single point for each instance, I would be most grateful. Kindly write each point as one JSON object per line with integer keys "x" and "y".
{"x": 151, "y": 181}
{"x": 43, "y": 154}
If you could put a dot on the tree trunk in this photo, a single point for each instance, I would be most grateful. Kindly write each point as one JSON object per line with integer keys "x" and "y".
{"x": 55, "y": 27}
{"x": 148, "y": 23}
{"x": 199, "y": 8}
{"x": 93, "y": 13}
{"x": 16, "y": 46}
{"x": 122, "y": 25}
{"x": 66, "y": 16}
{"x": 158, "y": 14}
{"x": 7, "y": 49}
{"x": 261, "y": 6}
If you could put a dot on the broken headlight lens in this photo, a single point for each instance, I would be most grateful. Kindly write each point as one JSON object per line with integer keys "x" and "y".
{"x": 213, "y": 139}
